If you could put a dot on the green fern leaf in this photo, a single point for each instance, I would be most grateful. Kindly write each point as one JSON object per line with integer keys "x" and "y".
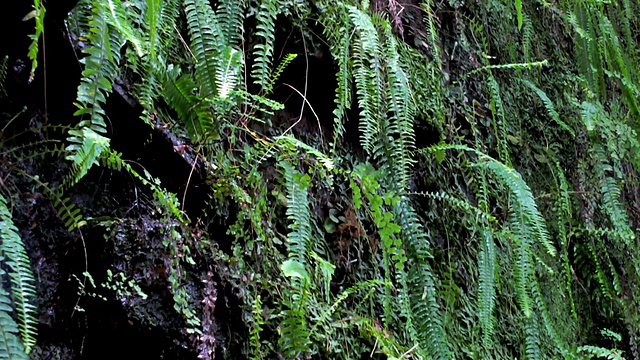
{"x": 10, "y": 345}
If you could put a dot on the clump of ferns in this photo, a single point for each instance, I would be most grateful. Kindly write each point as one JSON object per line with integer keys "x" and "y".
{"x": 527, "y": 233}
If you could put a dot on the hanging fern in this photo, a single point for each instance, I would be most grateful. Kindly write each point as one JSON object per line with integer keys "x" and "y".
{"x": 15, "y": 258}
{"x": 103, "y": 56}
{"x": 206, "y": 42}
{"x": 263, "y": 52}
{"x": 295, "y": 330}
{"x": 37, "y": 14}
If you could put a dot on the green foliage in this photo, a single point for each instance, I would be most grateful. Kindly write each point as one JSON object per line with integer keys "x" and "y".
{"x": 37, "y": 14}
{"x": 517, "y": 228}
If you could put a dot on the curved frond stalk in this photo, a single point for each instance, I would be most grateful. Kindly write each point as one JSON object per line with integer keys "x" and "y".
{"x": 22, "y": 281}
{"x": 3, "y": 75}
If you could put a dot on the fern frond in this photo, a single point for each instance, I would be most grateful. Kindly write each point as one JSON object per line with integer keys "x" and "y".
{"x": 119, "y": 19}
{"x": 518, "y": 4}
{"x": 263, "y": 52}
{"x": 22, "y": 280}
{"x": 593, "y": 351}
{"x": 518, "y": 187}
{"x": 402, "y": 112}
{"x": 103, "y": 55}
{"x": 532, "y": 338}
{"x": 487, "y": 266}
{"x": 367, "y": 62}
{"x": 206, "y": 44}
{"x": 548, "y": 104}
{"x": 230, "y": 14}
{"x": 85, "y": 150}
{"x": 295, "y": 334}
{"x": 299, "y": 238}
{"x": 228, "y": 74}
{"x": 275, "y": 75}
{"x": 294, "y": 341}
{"x": 194, "y": 112}
{"x": 563, "y": 211}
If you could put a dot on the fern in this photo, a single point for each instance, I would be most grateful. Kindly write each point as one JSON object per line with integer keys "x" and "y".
{"x": 228, "y": 72}
{"x": 118, "y": 18}
{"x": 22, "y": 284}
{"x": 563, "y": 211}
{"x": 263, "y": 52}
{"x": 338, "y": 30}
{"x": 275, "y": 75}
{"x": 103, "y": 56}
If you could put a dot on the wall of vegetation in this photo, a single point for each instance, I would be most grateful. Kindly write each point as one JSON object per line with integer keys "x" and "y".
{"x": 464, "y": 184}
